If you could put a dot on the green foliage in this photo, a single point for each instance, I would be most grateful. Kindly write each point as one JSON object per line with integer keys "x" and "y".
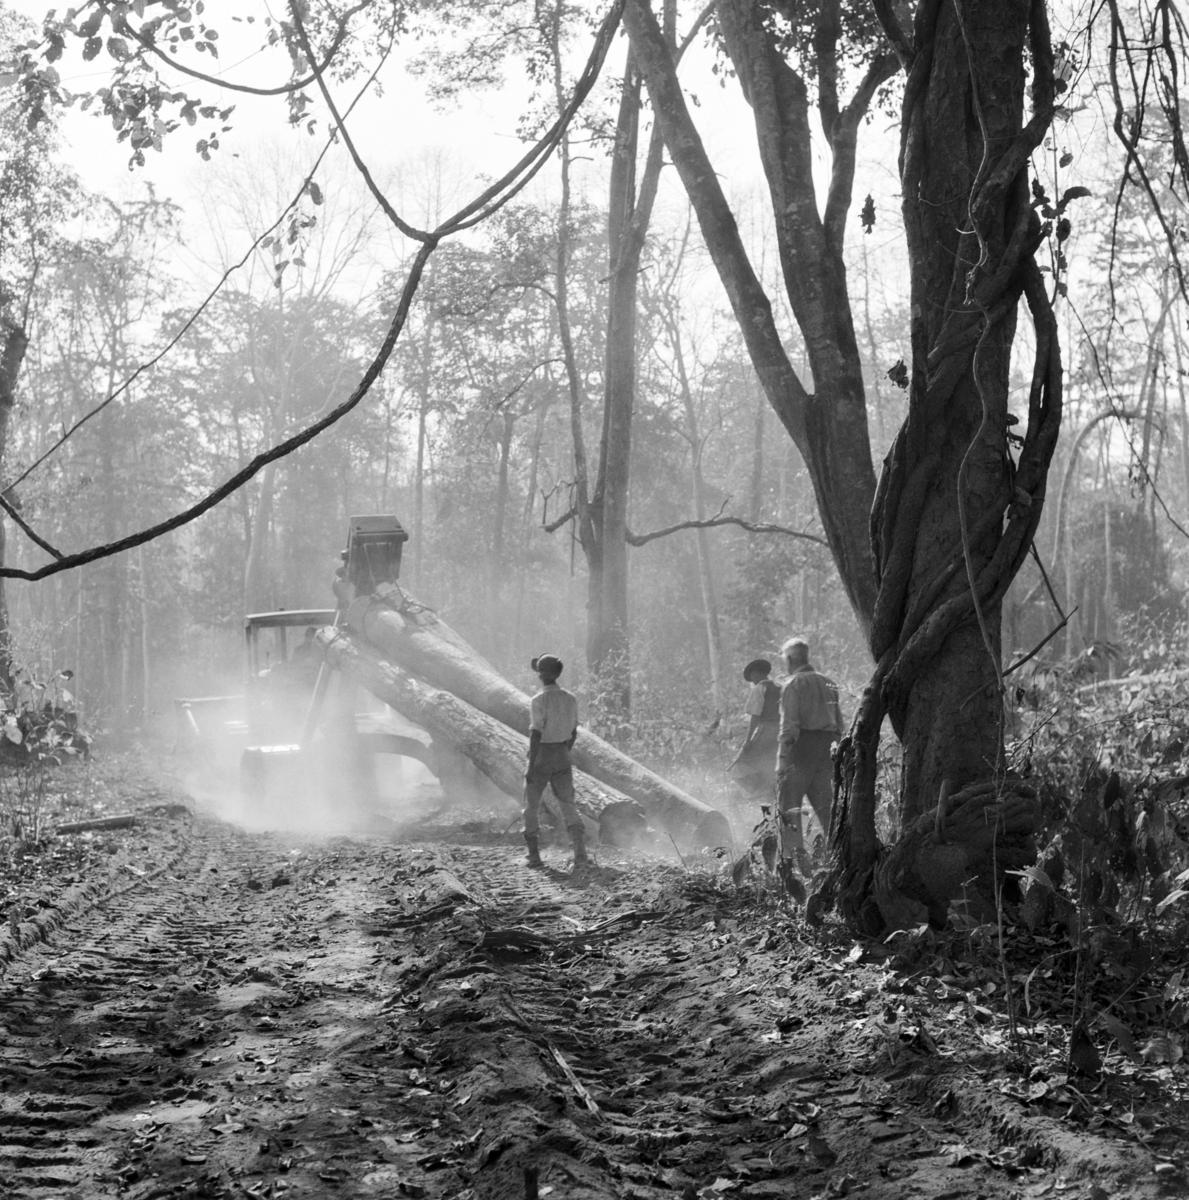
{"x": 36, "y": 194}
{"x": 39, "y": 722}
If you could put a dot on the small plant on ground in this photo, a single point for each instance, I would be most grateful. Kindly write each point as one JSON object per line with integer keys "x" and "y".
{"x": 39, "y": 730}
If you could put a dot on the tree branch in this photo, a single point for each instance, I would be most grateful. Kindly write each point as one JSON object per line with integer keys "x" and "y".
{"x": 565, "y": 518}
{"x": 294, "y": 85}
{"x": 642, "y": 539}
{"x": 894, "y": 31}
{"x": 261, "y": 460}
{"x": 410, "y": 231}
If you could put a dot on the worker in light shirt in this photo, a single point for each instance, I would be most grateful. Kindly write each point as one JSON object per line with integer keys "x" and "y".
{"x": 810, "y": 724}
{"x": 553, "y": 726}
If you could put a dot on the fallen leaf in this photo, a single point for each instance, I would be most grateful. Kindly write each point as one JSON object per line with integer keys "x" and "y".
{"x": 719, "y": 1187}
{"x": 959, "y": 1156}
{"x": 1163, "y": 1050}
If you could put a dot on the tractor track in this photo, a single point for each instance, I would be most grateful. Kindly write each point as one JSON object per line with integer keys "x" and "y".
{"x": 82, "y": 1018}
{"x": 124, "y": 1022}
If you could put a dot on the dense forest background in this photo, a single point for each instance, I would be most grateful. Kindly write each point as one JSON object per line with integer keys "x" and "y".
{"x": 472, "y": 434}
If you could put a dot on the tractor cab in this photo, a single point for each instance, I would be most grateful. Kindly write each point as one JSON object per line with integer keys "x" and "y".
{"x": 282, "y": 668}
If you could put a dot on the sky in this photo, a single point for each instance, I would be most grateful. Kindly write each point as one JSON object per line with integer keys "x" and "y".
{"x": 477, "y": 134}
{"x": 478, "y": 137}
{"x": 413, "y": 147}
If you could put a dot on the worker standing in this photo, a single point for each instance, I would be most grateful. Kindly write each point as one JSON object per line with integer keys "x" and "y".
{"x": 810, "y": 723}
{"x": 753, "y": 764}
{"x": 553, "y": 726}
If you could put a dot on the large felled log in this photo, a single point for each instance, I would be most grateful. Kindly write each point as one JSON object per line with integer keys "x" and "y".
{"x": 414, "y": 638}
{"x": 494, "y": 748}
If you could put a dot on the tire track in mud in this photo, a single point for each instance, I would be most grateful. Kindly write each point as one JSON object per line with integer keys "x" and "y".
{"x": 200, "y": 1008}
{"x": 82, "y": 1018}
{"x": 694, "y": 1059}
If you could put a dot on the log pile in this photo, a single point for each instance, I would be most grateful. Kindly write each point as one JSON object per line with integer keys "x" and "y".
{"x": 494, "y": 748}
{"x": 403, "y": 653}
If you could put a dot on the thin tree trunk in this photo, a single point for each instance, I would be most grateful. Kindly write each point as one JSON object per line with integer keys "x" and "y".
{"x": 257, "y": 591}
{"x": 629, "y": 215}
{"x": 756, "y": 505}
{"x": 13, "y": 343}
{"x": 705, "y": 570}
{"x": 145, "y": 639}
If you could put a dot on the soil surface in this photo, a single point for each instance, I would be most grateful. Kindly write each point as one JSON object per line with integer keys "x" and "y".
{"x": 190, "y": 1009}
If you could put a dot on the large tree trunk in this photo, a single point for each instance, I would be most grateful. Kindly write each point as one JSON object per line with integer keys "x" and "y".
{"x": 415, "y": 639}
{"x": 926, "y": 557}
{"x": 954, "y": 514}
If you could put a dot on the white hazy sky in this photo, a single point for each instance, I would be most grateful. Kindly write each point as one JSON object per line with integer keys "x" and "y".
{"x": 399, "y": 127}
{"x": 481, "y": 134}
{"x": 404, "y": 138}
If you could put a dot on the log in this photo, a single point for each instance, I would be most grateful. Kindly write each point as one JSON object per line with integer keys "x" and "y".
{"x": 97, "y": 824}
{"x": 414, "y": 638}
{"x": 494, "y": 748}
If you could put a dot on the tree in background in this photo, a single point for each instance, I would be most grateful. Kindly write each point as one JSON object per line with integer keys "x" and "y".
{"x": 36, "y": 196}
{"x": 102, "y": 297}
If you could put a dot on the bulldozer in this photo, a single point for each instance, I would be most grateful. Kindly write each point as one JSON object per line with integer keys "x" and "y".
{"x": 307, "y": 725}
{"x": 299, "y": 725}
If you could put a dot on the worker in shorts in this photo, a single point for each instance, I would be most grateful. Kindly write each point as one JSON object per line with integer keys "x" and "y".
{"x": 553, "y": 726}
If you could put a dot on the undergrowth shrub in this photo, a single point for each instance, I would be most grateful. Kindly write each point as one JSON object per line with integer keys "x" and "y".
{"x": 1108, "y": 897}
{"x": 39, "y": 730}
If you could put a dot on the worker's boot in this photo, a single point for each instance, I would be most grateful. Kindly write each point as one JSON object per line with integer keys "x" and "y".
{"x": 578, "y": 837}
{"x": 534, "y": 850}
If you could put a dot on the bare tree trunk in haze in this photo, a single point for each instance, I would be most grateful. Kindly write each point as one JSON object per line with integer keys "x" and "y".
{"x": 756, "y": 490}
{"x": 629, "y": 215}
{"x": 497, "y": 560}
{"x": 13, "y": 343}
{"x": 693, "y": 436}
{"x": 146, "y": 677}
{"x": 257, "y": 590}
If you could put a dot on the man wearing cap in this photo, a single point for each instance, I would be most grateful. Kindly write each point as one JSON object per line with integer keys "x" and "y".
{"x": 810, "y": 722}
{"x": 553, "y": 726}
{"x": 753, "y": 763}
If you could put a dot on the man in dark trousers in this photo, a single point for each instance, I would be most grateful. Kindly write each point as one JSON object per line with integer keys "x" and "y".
{"x": 810, "y": 722}
{"x": 553, "y": 726}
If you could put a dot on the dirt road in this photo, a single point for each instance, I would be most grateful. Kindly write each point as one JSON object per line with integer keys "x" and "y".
{"x": 254, "y": 1015}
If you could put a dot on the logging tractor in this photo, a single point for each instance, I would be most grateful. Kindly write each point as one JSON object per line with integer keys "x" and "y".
{"x": 308, "y": 725}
